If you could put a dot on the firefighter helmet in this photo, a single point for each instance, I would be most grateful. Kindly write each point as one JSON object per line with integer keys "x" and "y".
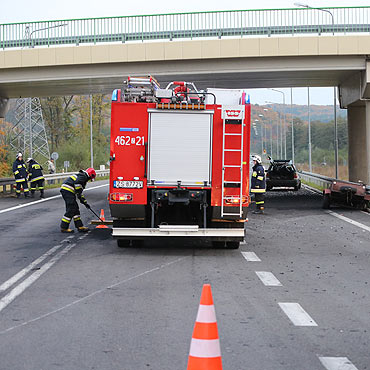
{"x": 29, "y": 159}
{"x": 257, "y": 158}
{"x": 19, "y": 155}
{"x": 91, "y": 173}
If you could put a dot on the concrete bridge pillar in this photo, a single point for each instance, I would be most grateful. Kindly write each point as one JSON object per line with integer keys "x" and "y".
{"x": 4, "y": 103}
{"x": 354, "y": 95}
{"x": 359, "y": 142}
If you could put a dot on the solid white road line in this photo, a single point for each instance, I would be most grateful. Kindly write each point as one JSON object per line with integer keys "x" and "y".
{"x": 297, "y": 315}
{"x": 158, "y": 268}
{"x": 29, "y": 204}
{"x": 19, "y": 289}
{"x": 352, "y": 222}
{"x": 67, "y": 238}
{"x": 251, "y": 257}
{"x": 337, "y": 363}
{"x": 268, "y": 278}
{"x": 43, "y": 200}
{"x": 27, "y": 269}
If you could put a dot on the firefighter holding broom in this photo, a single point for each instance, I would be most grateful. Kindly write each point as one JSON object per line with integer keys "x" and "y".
{"x": 70, "y": 189}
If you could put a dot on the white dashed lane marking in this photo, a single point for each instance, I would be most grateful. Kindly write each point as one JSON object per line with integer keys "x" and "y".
{"x": 337, "y": 363}
{"x": 268, "y": 278}
{"x": 297, "y": 315}
{"x": 251, "y": 257}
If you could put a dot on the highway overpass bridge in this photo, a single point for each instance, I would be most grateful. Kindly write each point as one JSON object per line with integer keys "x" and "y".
{"x": 242, "y": 49}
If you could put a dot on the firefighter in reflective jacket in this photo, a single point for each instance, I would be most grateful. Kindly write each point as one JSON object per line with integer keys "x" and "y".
{"x": 71, "y": 188}
{"x": 258, "y": 184}
{"x": 36, "y": 177}
{"x": 20, "y": 174}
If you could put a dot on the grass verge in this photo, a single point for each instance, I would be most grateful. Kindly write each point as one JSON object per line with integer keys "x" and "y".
{"x": 312, "y": 185}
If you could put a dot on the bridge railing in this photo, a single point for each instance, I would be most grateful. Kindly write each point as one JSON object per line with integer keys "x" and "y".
{"x": 7, "y": 183}
{"x": 216, "y": 24}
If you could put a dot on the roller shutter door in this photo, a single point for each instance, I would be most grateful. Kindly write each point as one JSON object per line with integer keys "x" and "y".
{"x": 180, "y": 146}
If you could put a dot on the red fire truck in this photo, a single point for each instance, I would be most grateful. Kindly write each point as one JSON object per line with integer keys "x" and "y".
{"x": 179, "y": 163}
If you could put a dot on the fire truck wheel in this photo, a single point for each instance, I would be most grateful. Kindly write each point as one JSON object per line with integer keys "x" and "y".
{"x": 137, "y": 243}
{"x": 326, "y": 201}
{"x": 123, "y": 243}
{"x": 232, "y": 245}
{"x": 217, "y": 244}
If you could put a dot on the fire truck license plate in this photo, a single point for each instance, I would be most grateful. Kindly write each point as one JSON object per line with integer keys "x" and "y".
{"x": 128, "y": 184}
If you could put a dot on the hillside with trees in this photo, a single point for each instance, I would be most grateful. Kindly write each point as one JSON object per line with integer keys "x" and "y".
{"x": 67, "y": 123}
{"x": 272, "y": 117}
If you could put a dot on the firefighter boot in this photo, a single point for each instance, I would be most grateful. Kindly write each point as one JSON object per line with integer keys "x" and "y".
{"x": 83, "y": 229}
{"x": 42, "y": 194}
{"x": 69, "y": 231}
{"x": 32, "y": 194}
{"x": 259, "y": 211}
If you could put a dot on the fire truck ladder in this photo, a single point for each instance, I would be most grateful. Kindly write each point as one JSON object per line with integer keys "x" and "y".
{"x": 228, "y": 183}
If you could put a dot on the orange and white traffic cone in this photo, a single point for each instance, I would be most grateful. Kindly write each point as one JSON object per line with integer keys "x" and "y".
{"x": 103, "y": 218}
{"x": 205, "y": 351}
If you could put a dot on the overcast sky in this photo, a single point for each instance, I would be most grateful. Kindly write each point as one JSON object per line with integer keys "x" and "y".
{"x": 26, "y": 10}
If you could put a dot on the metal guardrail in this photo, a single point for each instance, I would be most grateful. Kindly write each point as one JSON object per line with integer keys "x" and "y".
{"x": 7, "y": 183}
{"x": 324, "y": 181}
{"x": 321, "y": 181}
{"x": 213, "y": 24}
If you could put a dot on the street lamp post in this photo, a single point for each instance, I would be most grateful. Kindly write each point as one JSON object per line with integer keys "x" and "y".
{"x": 335, "y": 89}
{"x": 277, "y": 133}
{"x": 262, "y": 135}
{"x": 320, "y": 9}
{"x": 335, "y": 133}
{"x": 291, "y": 113}
{"x": 309, "y": 131}
{"x": 265, "y": 126}
{"x": 282, "y": 130}
{"x": 91, "y": 135}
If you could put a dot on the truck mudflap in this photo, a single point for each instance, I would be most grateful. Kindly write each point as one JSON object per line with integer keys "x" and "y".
{"x": 192, "y": 231}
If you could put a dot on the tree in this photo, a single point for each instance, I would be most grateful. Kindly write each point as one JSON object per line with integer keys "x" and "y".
{"x": 58, "y": 116}
{"x": 76, "y": 149}
{"x": 4, "y": 154}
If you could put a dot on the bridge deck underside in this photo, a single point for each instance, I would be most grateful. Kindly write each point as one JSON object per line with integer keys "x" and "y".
{"x": 222, "y": 73}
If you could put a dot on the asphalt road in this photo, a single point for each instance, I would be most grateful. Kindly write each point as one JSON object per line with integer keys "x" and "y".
{"x": 91, "y": 305}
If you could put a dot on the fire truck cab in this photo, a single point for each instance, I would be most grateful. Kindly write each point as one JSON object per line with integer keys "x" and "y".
{"x": 179, "y": 163}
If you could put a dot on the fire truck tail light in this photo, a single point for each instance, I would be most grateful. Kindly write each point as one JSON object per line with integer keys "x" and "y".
{"x": 121, "y": 197}
{"x": 235, "y": 200}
